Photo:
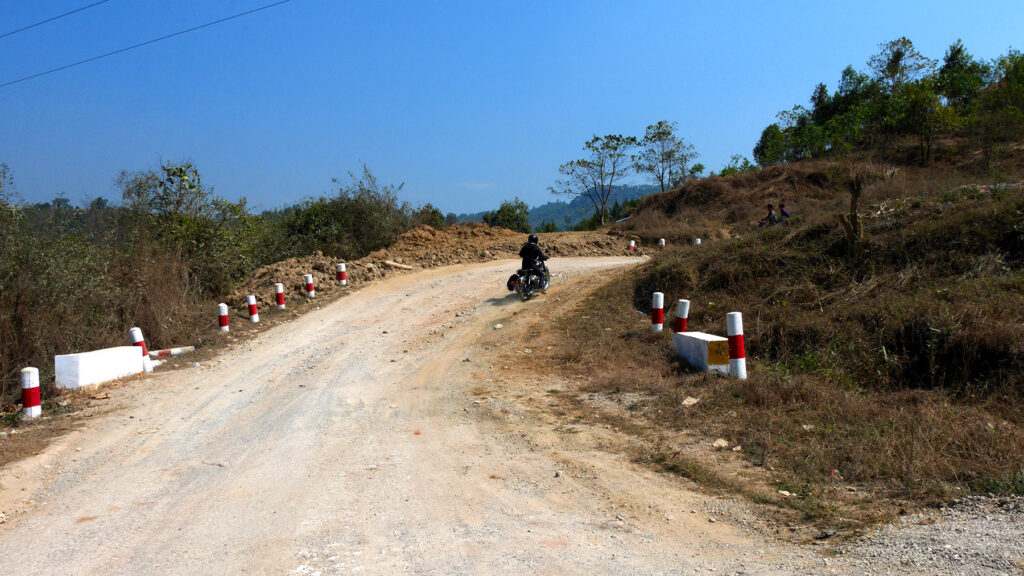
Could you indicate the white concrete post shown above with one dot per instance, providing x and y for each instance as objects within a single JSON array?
[
  {"x": 310, "y": 289},
  {"x": 279, "y": 295},
  {"x": 31, "y": 405},
  {"x": 632, "y": 246},
  {"x": 737, "y": 353},
  {"x": 682, "y": 315},
  {"x": 696, "y": 241},
  {"x": 342, "y": 274},
  {"x": 254, "y": 314},
  {"x": 657, "y": 312},
  {"x": 661, "y": 244},
  {"x": 222, "y": 317}
]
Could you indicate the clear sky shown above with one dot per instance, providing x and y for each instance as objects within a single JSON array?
[{"x": 468, "y": 103}]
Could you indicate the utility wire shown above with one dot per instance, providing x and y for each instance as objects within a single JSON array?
[
  {"x": 52, "y": 19},
  {"x": 141, "y": 44}
]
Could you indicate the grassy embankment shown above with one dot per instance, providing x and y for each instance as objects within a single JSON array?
[{"x": 900, "y": 366}]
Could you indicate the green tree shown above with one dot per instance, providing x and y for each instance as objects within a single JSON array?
[
  {"x": 608, "y": 158},
  {"x": 450, "y": 219},
  {"x": 771, "y": 148},
  {"x": 923, "y": 115},
  {"x": 514, "y": 215},
  {"x": 664, "y": 155},
  {"x": 961, "y": 78},
  {"x": 898, "y": 63},
  {"x": 738, "y": 164},
  {"x": 997, "y": 114}
]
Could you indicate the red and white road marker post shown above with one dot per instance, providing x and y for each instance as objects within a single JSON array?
[
  {"x": 661, "y": 244},
  {"x": 31, "y": 406},
  {"x": 310, "y": 289},
  {"x": 222, "y": 317},
  {"x": 171, "y": 352},
  {"x": 737, "y": 353},
  {"x": 138, "y": 340},
  {"x": 682, "y": 315},
  {"x": 279, "y": 295},
  {"x": 342, "y": 274},
  {"x": 254, "y": 314},
  {"x": 657, "y": 312},
  {"x": 632, "y": 246}
]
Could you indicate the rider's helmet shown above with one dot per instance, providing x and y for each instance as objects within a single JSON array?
[{"x": 532, "y": 239}]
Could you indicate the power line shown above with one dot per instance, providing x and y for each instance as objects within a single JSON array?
[
  {"x": 141, "y": 44},
  {"x": 54, "y": 18}
]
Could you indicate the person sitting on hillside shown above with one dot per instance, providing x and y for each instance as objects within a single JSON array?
[
  {"x": 782, "y": 211},
  {"x": 770, "y": 220},
  {"x": 533, "y": 258}
]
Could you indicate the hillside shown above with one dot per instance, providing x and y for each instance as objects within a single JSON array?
[{"x": 896, "y": 360}]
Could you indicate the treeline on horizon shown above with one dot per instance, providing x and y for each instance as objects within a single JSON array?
[
  {"x": 905, "y": 94},
  {"x": 76, "y": 278}
]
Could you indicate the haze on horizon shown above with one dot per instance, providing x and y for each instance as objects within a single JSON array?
[{"x": 466, "y": 103}]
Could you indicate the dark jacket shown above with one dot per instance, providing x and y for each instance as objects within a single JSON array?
[{"x": 532, "y": 255}]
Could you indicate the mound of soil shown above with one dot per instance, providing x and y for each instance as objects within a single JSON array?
[{"x": 422, "y": 247}]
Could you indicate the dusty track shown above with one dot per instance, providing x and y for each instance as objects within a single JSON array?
[{"x": 350, "y": 441}]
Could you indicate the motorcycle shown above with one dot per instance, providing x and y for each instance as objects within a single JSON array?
[{"x": 528, "y": 281}]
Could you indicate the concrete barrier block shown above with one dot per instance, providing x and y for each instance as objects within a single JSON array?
[
  {"x": 705, "y": 352},
  {"x": 77, "y": 370}
]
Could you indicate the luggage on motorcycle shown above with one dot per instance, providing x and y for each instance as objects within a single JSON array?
[{"x": 511, "y": 284}]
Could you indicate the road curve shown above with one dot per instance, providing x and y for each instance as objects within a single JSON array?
[{"x": 344, "y": 443}]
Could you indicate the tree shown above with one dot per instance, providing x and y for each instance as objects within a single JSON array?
[
  {"x": 737, "y": 165},
  {"x": 997, "y": 114},
  {"x": 608, "y": 159},
  {"x": 664, "y": 155},
  {"x": 961, "y": 78},
  {"x": 177, "y": 190},
  {"x": 514, "y": 215},
  {"x": 450, "y": 219},
  {"x": 899, "y": 63},
  {"x": 771, "y": 148},
  {"x": 922, "y": 114}
]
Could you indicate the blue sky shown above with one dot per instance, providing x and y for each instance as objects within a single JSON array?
[{"x": 467, "y": 103}]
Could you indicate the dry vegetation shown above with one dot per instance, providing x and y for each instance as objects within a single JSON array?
[{"x": 900, "y": 367}]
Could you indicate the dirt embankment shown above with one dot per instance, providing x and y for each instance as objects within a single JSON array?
[{"x": 422, "y": 247}]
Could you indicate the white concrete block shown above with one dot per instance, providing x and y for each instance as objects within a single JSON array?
[
  {"x": 705, "y": 352},
  {"x": 77, "y": 370}
]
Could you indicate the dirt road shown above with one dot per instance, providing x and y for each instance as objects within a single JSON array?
[{"x": 349, "y": 441}]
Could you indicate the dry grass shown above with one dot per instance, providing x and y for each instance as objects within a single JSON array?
[{"x": 901, "y": 369}]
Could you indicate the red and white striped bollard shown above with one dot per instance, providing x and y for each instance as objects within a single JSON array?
[
  {"x": 657, "y": 312},
  {"x": 737, "y": 353},
  {"x": 632, "y": 246},
  {"x": 171, "y": 352},
  {"x": 661, "y": 244},
  {"x": 279, "y": 295},
  {"x": 254, "y": 314},
  {"x": 682, "y": 315},
  {"x": 342, "y": 274},
  {"x": 31, "y": 405},
  {"x": 138, "y": 340},
  {"x": 222, "y": 317},
  {"x": 310, "y": 289}
]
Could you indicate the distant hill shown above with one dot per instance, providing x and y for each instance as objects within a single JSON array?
[{"x": 568, "y": 214}]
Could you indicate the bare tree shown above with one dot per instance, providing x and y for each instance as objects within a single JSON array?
[
  {"x": 664, "y": 155},
  {"x": 608, "y": 159}
]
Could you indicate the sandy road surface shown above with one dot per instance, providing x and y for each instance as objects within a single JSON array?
[{"x": 346, "y": 442}]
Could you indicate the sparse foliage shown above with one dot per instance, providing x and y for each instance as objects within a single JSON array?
[
  {"x": 608, "y": 159},
  {"x": 664, "y": 155}
]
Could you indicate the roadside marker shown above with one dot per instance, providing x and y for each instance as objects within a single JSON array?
[
  {"x": 171, "y": 351},
  {"x": 682, "y": 314},
  {"x": 737, "y": 354},
  {"x": 632, "y": 245},
  {"x": 657, "y": 312},
  {"x": 342, "y": 274},
  {"x": 661, "y": 244},
  {"x": 254, "y": 314},
  {"x": 138, "y": 340},
  {"x": 279, "y": 295},
  {"x": 222, "y": 317},
  {"x": 30, "y": 403},
  {"x": 310, "y": 289}
]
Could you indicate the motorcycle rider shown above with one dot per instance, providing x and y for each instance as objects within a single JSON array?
[{"x": 533, "y": 259}]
